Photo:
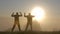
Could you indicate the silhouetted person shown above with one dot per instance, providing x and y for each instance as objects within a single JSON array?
[
  {"x": 29, "y": 20},
  {"x": 16, "y": 20}
]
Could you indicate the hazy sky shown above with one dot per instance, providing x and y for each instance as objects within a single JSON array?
[{"x": 51, "y": 7}]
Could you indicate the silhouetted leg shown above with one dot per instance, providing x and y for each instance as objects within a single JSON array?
[
  {"x": 13, "y": 27},
  {"x": 27, "y": 26},
  {"x": 19, "y": 27},
  {"x": 31, "y": 26}
]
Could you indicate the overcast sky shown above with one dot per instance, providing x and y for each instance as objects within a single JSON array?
[{"x": 51, "y": 8}]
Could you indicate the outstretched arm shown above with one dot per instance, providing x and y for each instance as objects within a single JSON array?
[
  {"x": 12, "y": 14},
  {"x": 25, "y": 15},
  {"x": 20, "y": 14}
]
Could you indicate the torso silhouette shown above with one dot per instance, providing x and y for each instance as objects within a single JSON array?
[
  {"x": 29, "y": 18},
  {"x": 16, "y": 17}
]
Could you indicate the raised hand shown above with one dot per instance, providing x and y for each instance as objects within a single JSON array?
[
  {"x": 25, "y": 15},
  {"x": 20, "y": 13},
  {"x": 13, "y": 13}
]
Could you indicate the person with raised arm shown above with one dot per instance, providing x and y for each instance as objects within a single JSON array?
[
  {"x": 16, "y": 20},
  {"x": 29, "y": 20}
]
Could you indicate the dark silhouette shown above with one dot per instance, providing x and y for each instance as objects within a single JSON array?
[
  {"x": 16, "y": 20},
  {"x": 29, "y": 20}
]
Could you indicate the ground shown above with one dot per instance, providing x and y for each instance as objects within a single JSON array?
[{"x": 30, "y": 32}]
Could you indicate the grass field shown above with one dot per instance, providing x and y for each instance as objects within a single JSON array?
[{"x": 30, "y": 32}]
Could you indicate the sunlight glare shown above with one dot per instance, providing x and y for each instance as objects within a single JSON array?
[{"x": 38, "y": 13}]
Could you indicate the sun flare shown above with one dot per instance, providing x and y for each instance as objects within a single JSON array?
[{"x": 38, "y": 13}]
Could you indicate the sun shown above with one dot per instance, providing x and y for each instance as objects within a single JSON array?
[{"x": 38, "y": 13}]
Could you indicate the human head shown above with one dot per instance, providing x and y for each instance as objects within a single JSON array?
[
  {"x": 16, "y": 13},
  {"x": 29, "y": 13}
]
